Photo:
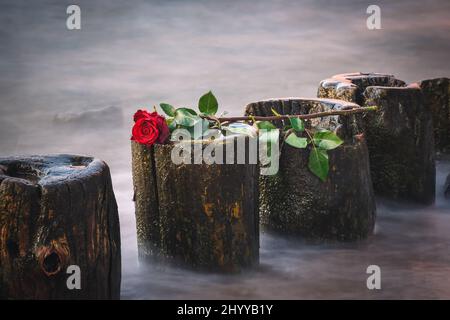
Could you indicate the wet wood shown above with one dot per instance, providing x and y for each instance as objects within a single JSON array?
[
  {"x": 437, "y": 99},
  {"x": 447, "y": 187},
  {"x": 399, "y": 136},
  {"x": 146, "y": 200},
  {"x": 196, "y": 215},
  {"x": 296, "y": 202},
  {"x": 351, "y": 86},
  {"x": 57, "y": 211}
]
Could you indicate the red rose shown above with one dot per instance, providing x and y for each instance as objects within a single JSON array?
[
  {"x": 149, "y": 128},
  {"x": 140, "y": 114},
  {"x": 163, "y": 128},
  {"x": 145, "y": 131}
]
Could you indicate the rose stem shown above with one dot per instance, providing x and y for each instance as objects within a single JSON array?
[{"x": 301, "y": 116}]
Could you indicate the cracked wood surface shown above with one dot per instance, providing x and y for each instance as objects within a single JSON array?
[
  {"x": 201, "y": 216},
  {"x": 57, "y": 211},
  {"x": 294, "y": 201}
]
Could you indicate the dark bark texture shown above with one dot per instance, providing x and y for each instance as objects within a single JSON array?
[
  {"x": 294, "y": 201},
  {"x": 201, "y": 216},
  {"x": 57, "y": 211},
  {"x": 447, "y": 187},
  {"x": 399, "y": 136},
  {"x": 437, "y": 98}
]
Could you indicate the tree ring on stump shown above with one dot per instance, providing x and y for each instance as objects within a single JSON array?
[
  {"x": 399, "y": 135},
  {"x": 58, "y": 210},
  {"x": 294, "y": 201}
]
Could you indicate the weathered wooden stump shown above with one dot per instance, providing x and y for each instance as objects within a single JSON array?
[
  {"x": 294, "y": 201},
  {"x": 58, "y": 211},
  {"x": 399, "y": 136},
  {"x": 447, "y": 187},
  {"x": 196, "y": 215},
  {"x": 351, "y": 86},
  {"x": 437, "y": 98}
]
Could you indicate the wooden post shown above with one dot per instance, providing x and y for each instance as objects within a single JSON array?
[
  {"x": 399, "y": 136},
  {"x": 294, "y": 201},
  {"x": 447, "y": 187},
  {"x": 58, "y": 211},
  {"x": 436, "y": 93},
  {"x": 196, "y": 215}
]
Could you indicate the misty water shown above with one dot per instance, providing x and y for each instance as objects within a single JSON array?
[{"x": 76, "y": 91}]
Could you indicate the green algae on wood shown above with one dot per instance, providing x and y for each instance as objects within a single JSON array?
[
  {"x": 399, "y": 136},
  {"x": 294, "y": 201},
  {"x": 201, "y": 216},
  {"x": 146, "y": 200}
]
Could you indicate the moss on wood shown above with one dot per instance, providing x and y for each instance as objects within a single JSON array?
[
  {"x": 203, "y": 216},
  {"x": 294, "y": 201},
  {"x": 399, "y": 136}
]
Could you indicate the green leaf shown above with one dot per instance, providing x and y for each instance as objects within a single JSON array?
[
  {"x": 198, "y": 134},
  {"x": 184, "y": 117},
  {"x": 318, "y": 163},
  {"x": 191, "y": 111},
  {"x": 296, "y": 142},
  {"x": 265, "y": 125},
  {"x": 208, "y": 104},
  {"x": 327, "y": 140},
  {"x": 171, "y": 124},
  {"x": 241, "y": 128},
  {"x": 168, "y": 109},
  {"x": 297, "y": 124}
]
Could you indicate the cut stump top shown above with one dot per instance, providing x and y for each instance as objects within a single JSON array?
[{"x": 49, "y": 169}]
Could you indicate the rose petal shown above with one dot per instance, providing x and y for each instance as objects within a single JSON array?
[{"x": 140, "y": 114}]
